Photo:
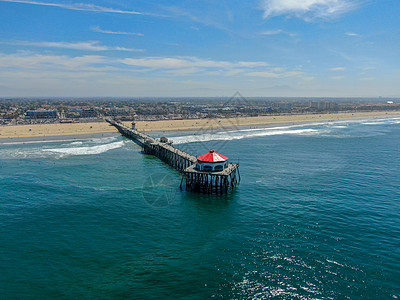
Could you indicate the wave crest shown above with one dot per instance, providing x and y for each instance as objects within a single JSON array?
[
  {"x": 90, "y": 150},
  {"x": 242, "y": 134}
]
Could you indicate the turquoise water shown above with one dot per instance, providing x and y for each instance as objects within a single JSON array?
[{"x": 316, "y": 216}]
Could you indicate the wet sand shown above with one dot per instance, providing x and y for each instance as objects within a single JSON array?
[{"x": 76, "y": 129}]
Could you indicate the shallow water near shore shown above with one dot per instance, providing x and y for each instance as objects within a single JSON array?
[{"x": 316, "y": 216}]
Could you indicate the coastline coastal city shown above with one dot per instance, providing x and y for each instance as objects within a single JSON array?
[{"x": 47, "y": 111}]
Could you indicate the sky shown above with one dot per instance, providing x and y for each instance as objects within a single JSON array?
[{"x": 210, "y": 48}]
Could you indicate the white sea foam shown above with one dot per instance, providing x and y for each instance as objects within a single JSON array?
[
  {"x": 103, "y": 140},
  {"x": 380, "y": 121},
  {"x": 373, "y": 123},
  {"x": 242, "y": 134},
  {"x": 61, "y": 149},
  {"x": 90, "y": 150},
  {"x": 76, "y": 143},
  {"x": 328, "y": 128},
  {"x": 53, "y": 140},
  {"x": 22, "y": 142}
]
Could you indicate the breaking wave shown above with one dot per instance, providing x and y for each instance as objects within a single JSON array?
[
  {"x": 86, "y": 150},
  {"x": 242, "y": 134},
  {"x": 382, "y": 121},
  {"x": 60, "y": 149},
  {"x": 339, "y": 129}
]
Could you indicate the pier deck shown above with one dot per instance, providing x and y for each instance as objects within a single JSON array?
[
  {"x": 203, "y": 182},
  {"x": 228, "y": 170}
]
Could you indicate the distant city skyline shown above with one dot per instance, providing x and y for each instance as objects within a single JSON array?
[{"x": 264, "y": 48}]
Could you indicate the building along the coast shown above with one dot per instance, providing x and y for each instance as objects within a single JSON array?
[
  {"x": 41, "y": 114},
  {"x": 84, "y": 112},
  {"x": 324, "y": 105}
]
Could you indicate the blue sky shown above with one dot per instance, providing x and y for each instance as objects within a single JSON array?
[{"x": 322, "y": 48}]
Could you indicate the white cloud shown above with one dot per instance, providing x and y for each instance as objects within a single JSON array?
[
  {"x": 188, "y": 62},
  {"x": 276, "y": 32},
  {"x": 175, "y": 11},
  {"x": 79, "y": 7},
  {"x": 192, "y": 66},
  {"x": 251, "y": 64},
  {"x": 234, "y": 72},
  {"x": 37, "y": 61},
  {"x": 182, "y": 66},
  {"x": 337, "y": 77},
  {"x": 272, "y": 74},
  {"x": 84, "y": 46},
  {"x": 352, "y": 34},
  {"x": 26, "y": 73},
  {"x": 263, "y": 74},
  {"x": 337, "y": 69},
  {"x": 98, "y": 29},
  {"x": 185, "y": 71},
  {"x": 272, "y": 32},
  {"x": 307, "y": 9}
]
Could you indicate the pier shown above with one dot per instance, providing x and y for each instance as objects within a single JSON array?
[{"x": 219, "y": 182}]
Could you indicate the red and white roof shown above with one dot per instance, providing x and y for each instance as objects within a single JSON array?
[{"x": 212, "y": 156}]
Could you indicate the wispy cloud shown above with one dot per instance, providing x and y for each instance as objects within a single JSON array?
[
  {"x": 80, "y": 7},
  {"x": 271, "y": 32},
  {"x": 337, "y": 69},
  {"x": 188, "y": 62},
  {"x": 36, "y": 74},
  {"x": 193, "y": 66},
  {"x": 307, "y": 9},
  {"x": 276, "y": 32},
  {"x": 185, "y": 71},
  {"x": 337, "y": 77},
  {"x": 352, "y": 34},
  {"x": 174, "y": 11},
  {"x": 24, "y": 61},
  {"x": 369, "y": 68},
  {"x": 98, "y": 29},
  {"x": 272, "y": 74},
  {"x": 84, "y": 46}
]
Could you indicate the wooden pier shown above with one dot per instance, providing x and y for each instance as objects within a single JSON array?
[{"x": 197, "y": 181}]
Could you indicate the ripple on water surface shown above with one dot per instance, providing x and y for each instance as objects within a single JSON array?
[{"x": 316, "y": 216}]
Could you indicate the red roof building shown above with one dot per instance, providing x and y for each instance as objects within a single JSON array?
[
  {"x": 211, "y": 162},
  {"x": 212, "y": 156}
]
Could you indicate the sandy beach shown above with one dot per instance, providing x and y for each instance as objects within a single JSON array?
[{"x": 67, "y": 129}]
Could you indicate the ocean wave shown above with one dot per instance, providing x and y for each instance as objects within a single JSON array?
[
  {"x": 89, "y": 150},
  {"x": 242, "y": 134},
  {"x": 59, "y": 149},
  {"x": 23, "y": 142},
  {"x": 103, "y": 140},
  {"x": 339, "y": 129},
  {"x": 373, "y": 123},
  {"x": 380, "y": 121}
]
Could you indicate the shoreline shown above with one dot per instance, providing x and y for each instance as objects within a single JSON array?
[{"x": 38, "y": 132}]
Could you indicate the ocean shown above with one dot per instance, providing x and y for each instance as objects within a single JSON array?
[{"x": 315, "y": 216}]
